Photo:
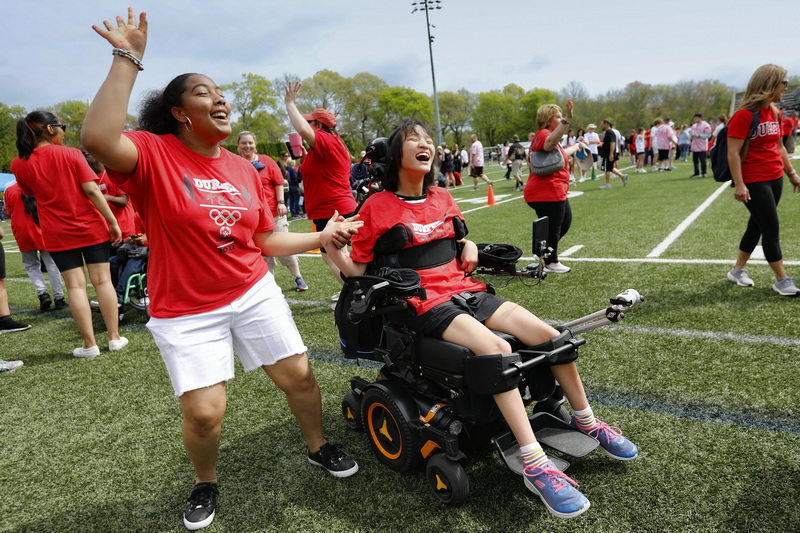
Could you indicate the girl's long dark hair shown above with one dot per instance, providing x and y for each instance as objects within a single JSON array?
[
  {"x": 31, "y": 207},
  {"x": 30, "y": 129},
  {"x": 394, "y": 156},
  {"x": 155, "y": 112}
]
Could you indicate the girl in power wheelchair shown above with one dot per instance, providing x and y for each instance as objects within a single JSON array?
[{"x": 459, "y": 309}]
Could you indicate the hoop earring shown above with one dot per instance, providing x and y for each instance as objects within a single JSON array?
[{"x": 188, "y": 125}]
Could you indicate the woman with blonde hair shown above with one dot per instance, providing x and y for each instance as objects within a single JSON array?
[
  {"x": 547, "y": 195},
  {"x": 758, "y": 174}
]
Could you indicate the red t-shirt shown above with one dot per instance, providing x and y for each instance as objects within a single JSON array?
[
  {"x": 271, "y": 177},
  {"x": 124, "y": 214},
  {"x": 200, "y": 215},
  {"x": 788, "y": 125},
  {"x": 54, "y": 175},
  {"x": 763, "y": 161},
  {"x": 552, "y": 188},
  {"x": 27, "y": 234},
  {"x": 426, "y": 221},
  {"x": 326, "y": 177}
]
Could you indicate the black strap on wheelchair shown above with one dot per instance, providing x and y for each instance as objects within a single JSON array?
[
  {"x": 464, "y": 301},
  {"x": 428, "y": 255}
]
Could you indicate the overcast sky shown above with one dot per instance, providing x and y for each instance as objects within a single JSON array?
[{"x": 49, "y": 53}]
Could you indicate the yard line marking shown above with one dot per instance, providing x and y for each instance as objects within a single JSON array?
[
  {"x": 570, "y": 251},
  {"x": 672, "y": 237},
  {"x": 663, "y": 261}
]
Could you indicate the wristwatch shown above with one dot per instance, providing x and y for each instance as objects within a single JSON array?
[
  {"x": 281, "y": 202},
  {"x": 564, "y": 121}
]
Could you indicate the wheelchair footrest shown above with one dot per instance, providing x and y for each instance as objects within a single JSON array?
[
  {"x": 554, "y": 433},
  {"x": 508, "y": 448}
]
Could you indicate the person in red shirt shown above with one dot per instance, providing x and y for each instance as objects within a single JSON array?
[
  {"x": 758, "y": 181},
  {"x": 325, "y": 169},
  {"x": 75, "y": 219},
  {"x": 25, "y": 226},
  {"x": 547, "y": 195},
  {"x": 429, "y": 214},
  {"x": 272, "y": 180},
  {"x": 208, "y": 225}
]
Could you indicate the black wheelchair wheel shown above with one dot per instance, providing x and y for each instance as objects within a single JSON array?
[
  {"x": 394, "y": 442},
  {"x": 351, "y": 411},
  {"x": 447, "y": 480},
  {"x": 561, "y": 412}
]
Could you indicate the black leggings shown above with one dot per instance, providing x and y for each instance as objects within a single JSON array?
[
  {"x": 763, "y": 223},
  {"x": 560, "y": 215}
]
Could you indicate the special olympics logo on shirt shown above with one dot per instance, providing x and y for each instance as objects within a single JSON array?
[
  {"x": 225, "y": 231},
  {"x": 224, "y": 217}
]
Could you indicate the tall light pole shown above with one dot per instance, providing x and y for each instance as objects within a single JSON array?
[{"x": 428, "y": 5}]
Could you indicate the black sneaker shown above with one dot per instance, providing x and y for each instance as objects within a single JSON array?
[
  {"x": 202, "y": 505},
  {"x": 9, "y": 325},
  {"x": 334, "y": 460},
  {"x": 60, "y": 304},
  {"x": 44, "y": 302}
]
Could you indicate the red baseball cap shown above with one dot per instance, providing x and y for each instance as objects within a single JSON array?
[{"x": 322, "y": 115}]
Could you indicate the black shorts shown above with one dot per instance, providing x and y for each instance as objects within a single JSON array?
[
  {"x": 477, "y": 172},
  {"x": 69, "y": 259},
  {"x": 320, "y": 223},
  {"x": 663, "y": 155},
  {"x": 2, "y": 262},
  {"x": 608, "y": 165},
  {"x": 480, "y": 305}
]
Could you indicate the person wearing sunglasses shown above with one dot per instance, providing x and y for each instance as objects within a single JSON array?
[
  {"x": 77, "y": 225},
  {"x": 757, "y": 174}
]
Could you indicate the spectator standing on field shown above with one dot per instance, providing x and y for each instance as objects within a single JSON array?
[
  {"x": 608, "y": 152},
  {"x": 7, "y": 324},
  {"x": 592, "y": 139},
  {"x": 640, "y": 151},
  {"x": 476, "y": 162},
  {"x": 700, "y": 132},
  {"x": 666, "y": 138},
  {"x": 517, "y": 155},
  {"x": 758, "y": 182}
]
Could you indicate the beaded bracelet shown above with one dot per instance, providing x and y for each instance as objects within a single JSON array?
[{"x": 128, "y": 55}]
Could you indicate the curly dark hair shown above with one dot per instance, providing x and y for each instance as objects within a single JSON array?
[
  {"x": 155, "y": 111},
  {"x": 394, "y": 155}
]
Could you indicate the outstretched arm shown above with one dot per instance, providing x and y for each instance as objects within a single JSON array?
[
  {"x": 300, "y": 124},
  {"x": 101, "y": 134}
]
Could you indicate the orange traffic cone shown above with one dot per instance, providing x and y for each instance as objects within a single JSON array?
[
  {"x": 315, "y": 250},
  {"x": 490, "y": 199}
]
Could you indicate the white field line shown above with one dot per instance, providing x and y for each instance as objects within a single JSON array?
[
  {"x": 571, "y": 250},
  {"x": 672, "y": 237}
]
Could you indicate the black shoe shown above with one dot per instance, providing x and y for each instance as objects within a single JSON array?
[
  {"x": 44, "y": 301},
  {"x": 202, "y": 505},
  {"x": 9, "y": 325},
  {"x": 60, "y": 304},
  {"x": 334, "y": 460}
]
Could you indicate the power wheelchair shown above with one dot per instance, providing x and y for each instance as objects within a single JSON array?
[{"x": 432, "y": 399}]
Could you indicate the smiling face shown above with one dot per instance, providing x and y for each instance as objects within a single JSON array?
[
  {"x": 204, "y": 110},
  {"x": 247, "y": 146},
  {"x": 418, "y": 150}
]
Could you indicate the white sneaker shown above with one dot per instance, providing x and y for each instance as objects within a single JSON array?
[
  {"x": 113, "y": 346},
  {"x": 786, "y": 287},
  {"x": 606, "y": 186},
  {"x": 94, "y": 351},
  {"x": 739, "y": 276},
  {"x": 557, "y": 268}
]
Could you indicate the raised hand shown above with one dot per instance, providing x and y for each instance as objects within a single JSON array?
[
  {"x": 128, "y": 36},
  {"x": 292, "y": 89}
]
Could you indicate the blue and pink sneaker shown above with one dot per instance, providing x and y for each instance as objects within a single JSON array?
[
  {"x": 555, "y": 490},
  {"x": 611, "y": 440}
]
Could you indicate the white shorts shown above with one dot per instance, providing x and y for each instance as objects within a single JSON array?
[{"x": 198, "y": 349}]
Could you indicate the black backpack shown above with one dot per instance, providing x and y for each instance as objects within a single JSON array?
[{"x": 719, "y": 152}]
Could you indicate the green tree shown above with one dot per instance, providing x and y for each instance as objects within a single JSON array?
[
  {"x": 525, "y": 119},
  {"x": 361, "y": 99},
  {"x": 254, "y": 93},
  {"x": 397, "y": 103},
  {"x": 9, "y": 115},
  {"x": 325, "y": 89},
  {"x": 493, "y": 113},
  {"x": 455, "y": 110}
]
